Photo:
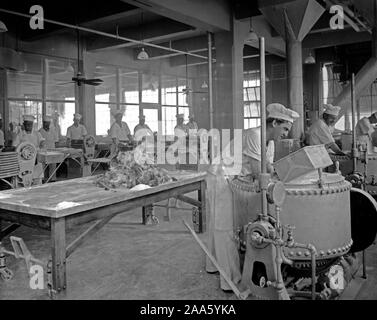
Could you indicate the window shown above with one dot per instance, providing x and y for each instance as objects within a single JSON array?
[
  {"x": 26, "y": 94},
  {"x": 251, "y": 98},
  {"x": 106, "y": 97},
  {"x": 60, "y": 91},
  {"x": 174, "y": 101},
  {"x": 150, "y": 88}
]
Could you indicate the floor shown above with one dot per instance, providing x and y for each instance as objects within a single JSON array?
[{"x": 124, "y": 260}]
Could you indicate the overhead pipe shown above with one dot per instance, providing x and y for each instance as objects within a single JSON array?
[{"x": 105, "y": 34}]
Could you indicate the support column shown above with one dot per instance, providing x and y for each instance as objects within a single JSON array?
[
  {"x": 228, "y": 78},
  {"x": 295, "y": 84}
]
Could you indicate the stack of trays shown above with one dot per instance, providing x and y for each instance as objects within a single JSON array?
[{"x": 9, "y": 166}]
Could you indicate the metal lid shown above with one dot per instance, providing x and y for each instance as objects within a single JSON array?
[{"x": 311, "y": 181}]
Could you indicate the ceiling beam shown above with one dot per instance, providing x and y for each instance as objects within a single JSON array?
[
  {"x": 335, "y": 38},
  {"x": 155, "y": 31},
  {"x": 113, "y": 17},
  {"x": 206, "y": 15}
]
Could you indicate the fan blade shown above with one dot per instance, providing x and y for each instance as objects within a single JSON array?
[
  {"x": 94, "y": 80},
  {"x": 64, "y": 83}
]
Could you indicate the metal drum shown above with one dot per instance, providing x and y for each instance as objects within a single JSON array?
[
  {"x": 320, "y": 212},
  {"x": 246, "y": 202}
]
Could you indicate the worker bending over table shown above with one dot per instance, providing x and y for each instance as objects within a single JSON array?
[
  {"x": 223, "y": 219},
  {"x": 321, "y": 131}
]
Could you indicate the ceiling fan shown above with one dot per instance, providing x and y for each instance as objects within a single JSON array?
[
  {"x": 80, "y": 77},
  {"x": 188, "y": 89}
]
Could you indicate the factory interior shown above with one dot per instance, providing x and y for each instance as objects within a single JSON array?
[{"x": 188, "y": 150}]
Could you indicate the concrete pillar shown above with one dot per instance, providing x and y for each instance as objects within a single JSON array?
[
  {"x": 88, "y": 99},
  {"x": 295, "y": 84},
  {"x": 228, "y": 78}
]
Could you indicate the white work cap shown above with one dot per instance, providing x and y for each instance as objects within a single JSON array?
[
  {"x": 180, "y": 115},
  {"x": 28, "y": 117},
  {"x": 278, "y": 111},
  {"x": 330, "y": 109},
  {"x": 77, "y": 116},
  {"x": 47, "y": 118}
]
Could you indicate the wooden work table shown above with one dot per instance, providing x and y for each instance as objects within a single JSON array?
[{"x": 62, "y": 205}]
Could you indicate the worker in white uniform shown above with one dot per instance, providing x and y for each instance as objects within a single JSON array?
[
  {"x": 180, "y": 129},
  {"x": 142, "y": 126},
  {"x": 55, "y": 127},
  {"x": 77, "y": 131},
  {"x": 27, "y": 134},
  {"x": 47, "y": 133},
  {"x": 221, "y": 227},
  {"x": 364, "y": 130},
  {"x": 2, "y": 142},
  {"x": 320, "y": 131},
  {"x": 119, "y": 131}
]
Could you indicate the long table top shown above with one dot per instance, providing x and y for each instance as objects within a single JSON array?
[{"x": 72, "y": 196}]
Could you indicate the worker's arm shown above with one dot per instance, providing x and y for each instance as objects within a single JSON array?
[
  {"x": 334, "y": 147},
  {"x": 256, "y": 168}
]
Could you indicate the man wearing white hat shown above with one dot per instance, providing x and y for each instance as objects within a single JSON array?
[
  {"x": 28, "y": 134},
  {"x": 47, "y": 133},
  {"x": 320, "y": 131},
  {"x": 180, "y": 129},
  {"x": 142, "y": 126},
  {"x": 2, "y": 143},
  {"x": 364, "y": 130},
  {"x": 119, "y": 131},
  {"x": 77, "y": 131},
  {"x": 223, "y": 218}
]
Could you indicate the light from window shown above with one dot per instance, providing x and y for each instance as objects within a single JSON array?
[
  {"x": 169, "y": 120},
  {"x": 103, "y": 121},
  {"x": 251, "y": 97},
  {"x": 131, "y": 116},
  {"x": 66, "y": 119}
]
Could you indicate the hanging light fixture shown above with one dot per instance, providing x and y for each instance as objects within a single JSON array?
[
  {"x": 143, "y": 55},
  {"x": 252, "y": 36},
  {"x": 3, "y": 27},
  {"x": 309, "y": 59},
  {"x": 204, "y": 85}
]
